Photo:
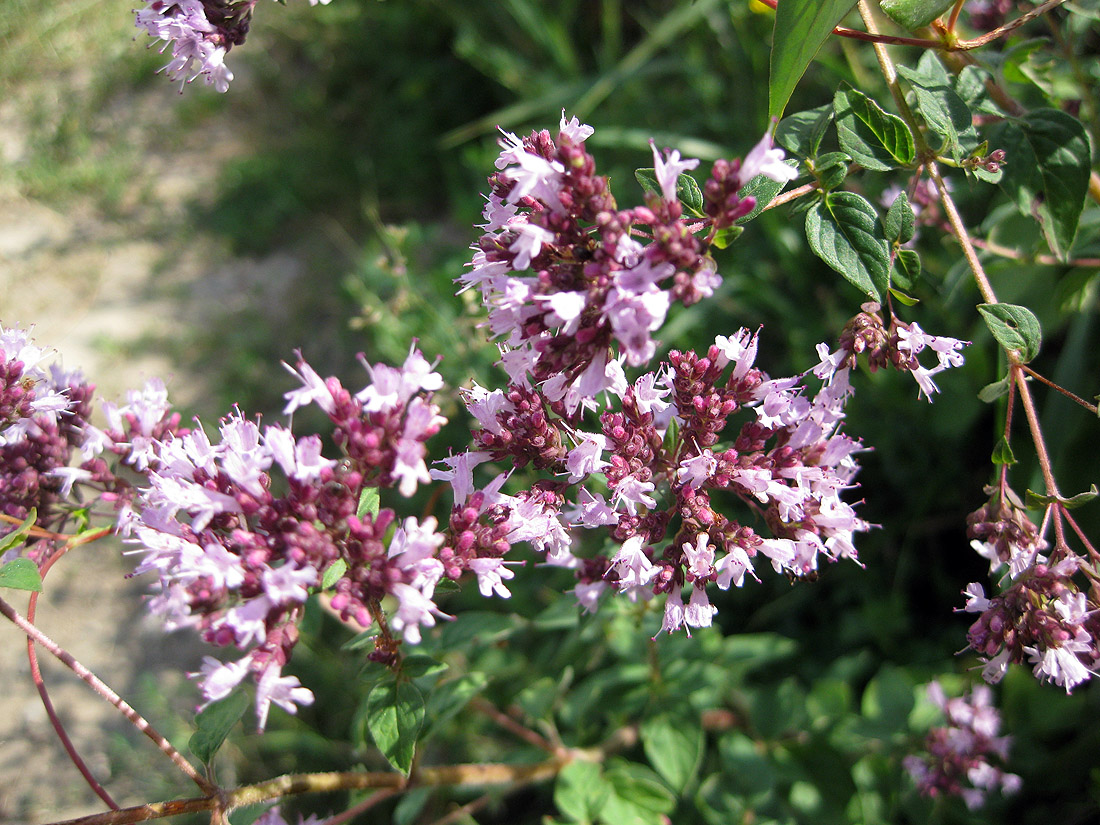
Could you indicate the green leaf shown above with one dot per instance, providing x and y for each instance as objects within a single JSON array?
[
  {"x": 888, "y": 699},
  {"x": 637, "y": 795},
  {"x": 899, "y": 221},
  {"x": 903, "y": 297},
  {"x": 1046, "y": 171},
  {"x": 1035, "y": 501},
  {"x": 907, "y": 268},
  {"x": 484, "y": 625},
  {"x": 801, "y": 26},
  {"x": 407, "y": 811},
  {"x": 368, "y": 503},
  {"x": 944, "y": 111},
  {"x": 831, "y": 169},
  {"x": 843, "y": 231},
  {"x": 21, "y": 574},
  {"x": 914, "y": 14},
  {"x": 674, "y": 746},
  {"x": 724, "y": 237},
  {"x": 802, "y": 132},
  {"x": 1016, "y": 328},
  {"x": 19, "y": 534},
  {"x": 333, "y": 573},
  {"x": 214, "y": 723},
  {"x": 451, "y": 697},
  {"x": 1002, "y": 453},
  {"x": 580, "y": 791},
  {"x": 395, "y": 712},
  {"x": 764, "y": 190},
  {"x": 362, "y": 639},
  {"x": 418, "y": 665},
  {"x": 991, "y": 392},
  {"x": 875, "y": 139}
]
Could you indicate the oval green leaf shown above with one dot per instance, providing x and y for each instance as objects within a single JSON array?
[
  {"x": 1016, "y": 328},
  {"x": 1046, "y": 171},
  {"x": 875, "y": 139},
  {"x": 394, "y": 714},
  {"x": 914, "y": 14},
  {"x": 842, "y": 230},
  {"x": 21, "y": 574},
  {"x": 214, "y": 723}
]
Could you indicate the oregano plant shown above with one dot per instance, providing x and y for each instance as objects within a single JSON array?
[{"x": 531, "y": 623}]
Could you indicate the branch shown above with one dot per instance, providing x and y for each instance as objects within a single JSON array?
[
  {"x": 948, "y": 45},
  {"x": 292, "y": 784},
  {"x": 44, "y": 694},
  {"x": 103, "y": 690}
]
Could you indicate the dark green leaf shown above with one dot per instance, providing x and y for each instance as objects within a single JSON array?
[
  {"x": 214, "y": 723},
  {"x": 875, "y": 139},
  {"x": 831, "y": 169},
  {"x": 801, "y": 26},
  {"x": 395, "y": 712},
  {"x": 991, "y": 392},
  {"x": 674, "y": 746},
  {"x": 764, "y": 190},
  {"x": 1046, "y": 171},
  {"x": 907, "y": 268},
  {"x": 899, "y": 221},
  {"x": 333, "y": 573},
  {"x": 21, "y": 574},
  {"x": 1002, "y": 453},
  {"x": 802, "y": 132},
  {"x": 944, "y": 111},
  {"x": 368, "y": 503},
  {"x": 483, "y": 625},
  {"x": 888, "y": 699},
  {"x": 1016, "y": 328},
  {"x": 843, "y": 231},
  {"x": 361, "y": 640},
  {"x": 451, "y": 697},
  {"x": 407, "y": 811},
  {"x": 580, "y": 791},
  {"x": 19, "y": 534},
  {"x": 1035, "y": 501},
  {"x": 914, "y": 14},
  {"x": 418, "y": 665},
  {"x": 690, "y": 195}
]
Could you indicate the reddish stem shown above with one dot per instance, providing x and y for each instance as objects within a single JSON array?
[
  {"x": 44, "y": 695},
  {"x": 98, "y": 685}
]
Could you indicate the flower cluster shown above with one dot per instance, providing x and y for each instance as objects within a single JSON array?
[
  {"x": 201, "y": 33},
  {"x": 42, "y": 412},
  {"x": 563, "y": 274},
  {"x": 956, "y": 756},
  {"x": 898, "y": 345},
  {"x": 575, "y": 295},
  {"x": 1042, "y": 618},
  {"x": 241, "y": 530}
]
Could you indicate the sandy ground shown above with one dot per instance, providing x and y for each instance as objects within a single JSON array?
[{"x": 95, "y": 285}]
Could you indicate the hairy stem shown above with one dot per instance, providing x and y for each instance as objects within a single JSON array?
[
  {"x": 97, "y": 684},
  {"x": 44, "y": 694}
]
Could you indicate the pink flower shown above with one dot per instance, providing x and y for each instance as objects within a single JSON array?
[
  {"x": 669, "y": 169},
  {"x": 764, "y": 159}
]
